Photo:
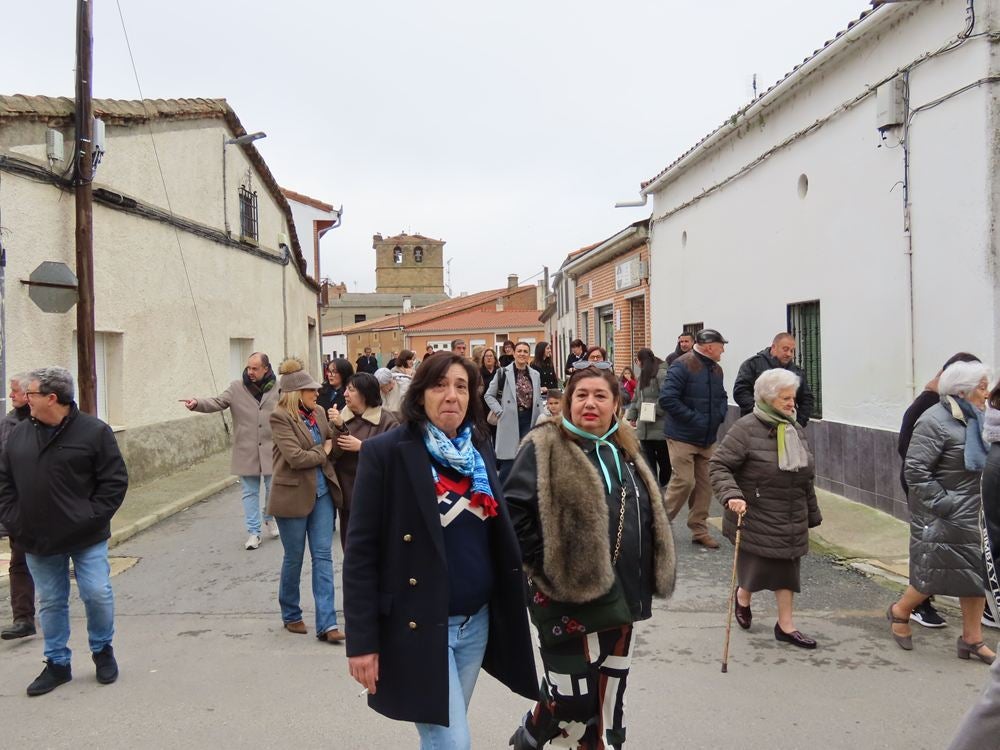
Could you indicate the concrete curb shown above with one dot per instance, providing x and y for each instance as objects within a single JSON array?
[{"x": 118, "y": 536}]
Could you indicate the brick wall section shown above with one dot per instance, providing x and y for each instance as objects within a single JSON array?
[{"x": 631, "y": 335}]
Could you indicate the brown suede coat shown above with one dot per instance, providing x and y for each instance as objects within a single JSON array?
[{"x": 296, "y": 456}]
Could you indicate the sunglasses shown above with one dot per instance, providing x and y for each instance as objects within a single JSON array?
[{"x": 586, "y": 365}]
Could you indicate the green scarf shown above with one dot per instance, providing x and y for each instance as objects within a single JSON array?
[
  {"x": 603, "y": 440},
  {"x": 792, "y": 455}
]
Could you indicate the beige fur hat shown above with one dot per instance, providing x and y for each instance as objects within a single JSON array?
[{"x": 294, "y": 377}]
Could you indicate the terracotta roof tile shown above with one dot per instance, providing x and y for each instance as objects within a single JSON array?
[
  {"x": 479, "y": 320},
  {"x": 432, "y": 312},
  {"x": 305, "y": 199}
]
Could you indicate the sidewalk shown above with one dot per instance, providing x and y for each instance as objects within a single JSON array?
[
  {"x": 150, "y": 503},
  {"x": 865, "y": 539}
]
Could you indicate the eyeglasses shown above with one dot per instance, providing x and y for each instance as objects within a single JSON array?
[
  {"x": 584, "y": 364},
  {"x": 35, "y": 393}
]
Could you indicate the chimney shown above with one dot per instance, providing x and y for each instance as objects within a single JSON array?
[
  {"x": 512, "y": 281},
  {"x": 540, "y": 293}
]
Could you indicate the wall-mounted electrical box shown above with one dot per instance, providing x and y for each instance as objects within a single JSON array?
[
  {"x": 890, "y": 104},
  {"x": 54, "y": 149}
]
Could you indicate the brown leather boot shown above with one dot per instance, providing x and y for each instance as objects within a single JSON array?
[
  {"x": 332, "y": 636},
  {"x": 705, "y": 540},
  {"x": 297, "y": 627}
]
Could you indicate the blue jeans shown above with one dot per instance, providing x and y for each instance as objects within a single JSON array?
[
  {"x": 93, "y": 578},
  {"x": 251, "y": 501},
  {"x": 467, "y": 638},
  {"x": 318, "y": 527}
]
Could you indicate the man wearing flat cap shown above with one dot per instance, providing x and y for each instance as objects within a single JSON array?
[{"x": 695, "y": 403}]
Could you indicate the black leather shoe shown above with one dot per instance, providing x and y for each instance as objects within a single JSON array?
[
  {"x": 51, "y": 677},
  {"x": 744, "y": 617},
  {"x": 795, "y": 638},
  {"x": 107, "y": 667},
  {"x": 20, "y": 629}
]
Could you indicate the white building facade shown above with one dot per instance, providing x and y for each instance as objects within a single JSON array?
[
  {"x": 856, "y": 204},
  {"x": 193, "y": 271}
]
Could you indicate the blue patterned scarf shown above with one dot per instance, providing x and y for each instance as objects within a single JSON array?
[
  {"x": 975, "y": 448},
  {"x": 461, "y": 455}
]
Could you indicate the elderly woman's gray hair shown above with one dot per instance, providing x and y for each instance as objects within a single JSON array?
[
  {"x": 772, "y": 382},
  {"x": 962, "y": 378},
  {"x": 57, "y": 380}
]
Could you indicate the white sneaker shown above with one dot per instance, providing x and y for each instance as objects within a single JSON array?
[
  {"x": 272, "y": 528},
  {"x": 253, "y": 541}
]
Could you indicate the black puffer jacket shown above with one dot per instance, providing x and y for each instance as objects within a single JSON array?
[
  {"x": 58, "y": 493},
  {"x": 567, "y": 538},
  {"x": 756, "y": 366},
  {"x": 781, "y": 505}
]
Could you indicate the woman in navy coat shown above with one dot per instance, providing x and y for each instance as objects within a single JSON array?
[{"x": 433, "y": 587}]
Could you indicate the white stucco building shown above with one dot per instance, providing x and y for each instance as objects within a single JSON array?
[
  {"x": 313, "y": 218},
  {"x": 856, "y": 203},
  {"x": 194, "y": 270}
]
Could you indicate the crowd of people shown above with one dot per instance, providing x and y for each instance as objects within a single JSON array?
[{"x": 467, "y": 487}]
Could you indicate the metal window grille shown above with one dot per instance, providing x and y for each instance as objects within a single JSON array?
[
  {"x": 804, "y": 325},
  {"x": 248, "y": 213},
  {"x": 692, "y": 328}
]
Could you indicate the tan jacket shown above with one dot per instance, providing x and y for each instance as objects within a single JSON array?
[
  {"x": 296, "y": 456},
  {"x": 252, "y": 446}
]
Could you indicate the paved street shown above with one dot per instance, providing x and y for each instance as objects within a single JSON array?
[{"x": 205, "y": 663}]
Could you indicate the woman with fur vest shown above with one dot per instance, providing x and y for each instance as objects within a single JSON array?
[
  {"x": 763, "y": 469},
  {"x": 596, "y": 547}
]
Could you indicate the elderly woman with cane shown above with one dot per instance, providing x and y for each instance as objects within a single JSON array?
[
  {"x": 763, "y": 469},
  {"x": 433, "y": 588},
  {"x": 943, "y": 470},
  {"x": 596, "y": 546}
]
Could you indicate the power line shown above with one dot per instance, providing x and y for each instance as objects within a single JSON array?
[{"x": 170, "y": 209}]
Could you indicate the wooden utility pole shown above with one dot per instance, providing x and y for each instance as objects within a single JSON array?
[{"x": 83, "y": 175}]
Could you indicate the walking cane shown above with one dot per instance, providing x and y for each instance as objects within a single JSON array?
[{"x": 732, "y": 595}]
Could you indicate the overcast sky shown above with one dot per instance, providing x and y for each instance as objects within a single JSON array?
[{"x": 509, "y": 131}]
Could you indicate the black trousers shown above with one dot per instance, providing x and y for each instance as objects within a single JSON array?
[{"x": 658, "y": 458}]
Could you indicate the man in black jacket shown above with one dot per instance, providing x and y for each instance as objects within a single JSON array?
[
  {"x": 781, "y": 354},
  {"x": 367, "y": 362},
  {"x": 62, "y": 478},
  {"x": 685, "y": 343},
  {"x": 22, "y": 588}
]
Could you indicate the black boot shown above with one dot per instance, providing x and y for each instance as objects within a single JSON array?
[
  {"x": 521, "y": 740},
  {"x": 107, "y": 667},
  {"x": 51, "y": 677},
  {"x": 20, "y": 629}
]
